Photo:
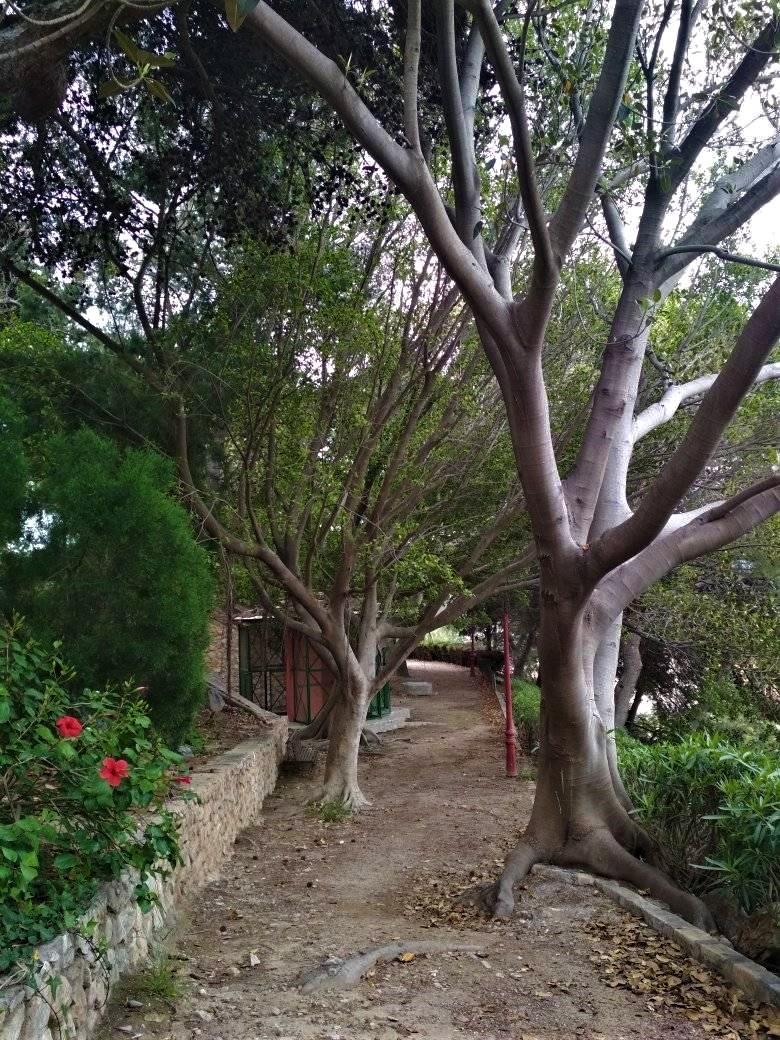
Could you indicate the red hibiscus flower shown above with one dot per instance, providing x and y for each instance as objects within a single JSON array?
[
  {"x": 183, "y": 779},
  {"x": 68, "y": 727},
  {"x": 114, "y": 771}
]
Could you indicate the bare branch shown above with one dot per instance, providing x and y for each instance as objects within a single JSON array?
[
  {"x": 662, "y": 411},
  {"x": 545, "y": 269},
  {"x": 712, "y": 530},
  {"x": 722, "y": 254},
  {"x": 722, "y": 104},
  {"x": 411, "y": 68},
  {"x": 715, "y": 412}
]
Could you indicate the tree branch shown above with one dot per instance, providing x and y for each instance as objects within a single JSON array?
[
  {"x": 720, "y": 107},
  {"x": 712, "y": 530},
  {"x": 715, "y": 412},
  {"x": 411, "y": 69},
  {"x": 602, "y": 111},
  {"x": 662, "y": 411}
]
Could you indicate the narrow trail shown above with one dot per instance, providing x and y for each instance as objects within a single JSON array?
[{"x": 298, "y": 890}]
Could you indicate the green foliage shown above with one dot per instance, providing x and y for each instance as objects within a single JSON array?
[
  {"x": 526, "y": 704},
  {"x": 446, "y": 636},
  {"x": 13, "y": 471},
  {"x": 157, "y": 983},
  {"x": 714, "y": 806},
  {"x": 331, "y": 812},
  {"x": 113, "y": 571},
  {"x": 63, "y": 827}
]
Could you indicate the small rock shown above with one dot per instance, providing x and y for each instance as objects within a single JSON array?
[{"x": 135, "y": 1003}]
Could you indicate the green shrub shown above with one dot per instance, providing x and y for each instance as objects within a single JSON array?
[
  {"x": 714, "y": 807},
  {"x": 526, "y": 701},
  {"x": 117, "y": 576},
  {"x": 79, "y": 773}
]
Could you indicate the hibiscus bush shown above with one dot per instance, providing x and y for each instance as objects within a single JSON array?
[{"x": 82, "y": 782}]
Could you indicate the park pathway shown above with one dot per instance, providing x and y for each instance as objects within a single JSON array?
[{"x": 298, "y": 890}]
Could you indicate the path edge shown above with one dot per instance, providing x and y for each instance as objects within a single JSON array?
[{"x": 746, "y": 975}]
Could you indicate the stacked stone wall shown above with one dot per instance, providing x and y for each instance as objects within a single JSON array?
[{"x": 75, "y": 971}]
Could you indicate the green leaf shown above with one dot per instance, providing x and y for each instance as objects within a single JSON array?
[
  {"x": 65, "y": 861},
  {"x": 237, "y": 10},
  {"x": 111, "y": 87},
  {"x": 142, "y": 57},
  {"x": 158, "y": 90}
]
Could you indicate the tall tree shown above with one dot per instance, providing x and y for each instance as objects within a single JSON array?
[
  {"x": 595, "y": 553},
  {"x": 640, "y": 116}
]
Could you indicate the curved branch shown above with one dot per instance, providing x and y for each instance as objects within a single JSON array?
[
  {"x": 662, "y": 411},
  {"x": 403, "y": 165},
  {"x": 722, "y": 254},
  {"x": 712, "y": 417},
  {"x": 712, "y": 530}
]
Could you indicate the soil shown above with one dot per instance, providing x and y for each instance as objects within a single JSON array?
[{"x": 299, "y": 890}]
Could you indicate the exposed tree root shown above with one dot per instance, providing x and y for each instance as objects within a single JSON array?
[
  {"x": 336, "y": 973},
  {"x": 370, "y": 741},
  {"x": 501, "y": 900},
  {"x": 600, "y": 851},
  {"x": 347, "y": 794}
]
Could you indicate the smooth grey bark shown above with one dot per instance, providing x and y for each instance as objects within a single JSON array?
[{"x": 626, "y": 689}]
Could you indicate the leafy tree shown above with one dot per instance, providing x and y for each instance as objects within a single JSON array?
[
  {"x": 637, "y": 118},
  {"x": 596, "y": 554},
  {"x": 110, "y": 567}
]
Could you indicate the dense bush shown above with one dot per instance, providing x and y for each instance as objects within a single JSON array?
[
  {"x": 526, "y": 700},
  {"x": 714, "y": 807},
  {"x": 80, "y": 774},
  {"x": 113, "y": 570}
]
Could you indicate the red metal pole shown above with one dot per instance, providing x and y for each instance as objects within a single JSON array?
[
  {"x": 473, "y": 656},
  {"x": 511, "y": 732}
]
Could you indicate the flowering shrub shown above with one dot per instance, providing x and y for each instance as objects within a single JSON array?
[{"x": 82, "y": 781}]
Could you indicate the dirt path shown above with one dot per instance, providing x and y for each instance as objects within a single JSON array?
[{"x": 299, "y": 890}]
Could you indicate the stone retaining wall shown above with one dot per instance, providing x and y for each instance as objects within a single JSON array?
[{"x": 74, "y": 981}]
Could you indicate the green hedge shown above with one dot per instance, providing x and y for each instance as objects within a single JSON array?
[
  {"x": 526, "y": 699},
  {"x": 714, "y": 806}
]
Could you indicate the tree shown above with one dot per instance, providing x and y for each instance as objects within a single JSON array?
[
  {"x": 353, "y": 444},
  {"x": 595, "y": 553},
  {"x": 110, "y": 567},
  {"x": 639, "y": 125}
]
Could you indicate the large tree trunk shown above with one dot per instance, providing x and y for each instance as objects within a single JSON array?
[
  {"x": 626, "y": 687},
  {"x": 578, "y": 817},
  {"x": 341, "y": 765}
]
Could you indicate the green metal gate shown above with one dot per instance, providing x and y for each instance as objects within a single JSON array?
[{"x": 261, "y": 674}]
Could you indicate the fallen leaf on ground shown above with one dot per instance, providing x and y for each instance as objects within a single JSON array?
[{"x": 630, "y": 955}]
